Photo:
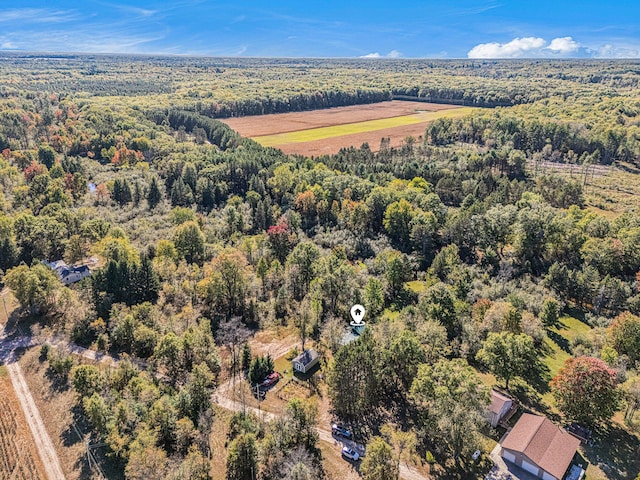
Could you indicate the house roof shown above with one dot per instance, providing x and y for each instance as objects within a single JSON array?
[
  {"x": 69, "y": 270},
  {"x": 498, "y": 401},
  {"x": 549, "y": 447},
  {"x": 306, "y": 357}
]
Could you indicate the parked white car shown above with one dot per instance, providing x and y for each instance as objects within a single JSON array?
[{"x": 350, "y": 454}]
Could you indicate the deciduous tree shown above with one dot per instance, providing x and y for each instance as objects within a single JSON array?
[{"x": 585, "y": 390}]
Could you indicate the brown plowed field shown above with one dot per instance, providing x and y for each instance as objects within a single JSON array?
[
  {"x": 258, "y": 125},
  {"x": 262, "y": 125}
]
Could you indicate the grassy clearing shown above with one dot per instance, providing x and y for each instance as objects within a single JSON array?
[
  {"x": 559, "y": 342},
  {"x": 608, "y": 191},
  {"x": 8, "y": 304},
  {"x": 358, "y": 127}
]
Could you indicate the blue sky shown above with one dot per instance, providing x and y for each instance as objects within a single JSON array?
[{"x": 328, "y": 28}]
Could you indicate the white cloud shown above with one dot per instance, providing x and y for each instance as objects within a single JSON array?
[
  {"x": 619, "y": 51},
  {"x": 516, "y": 48},
  {"x": 563, "y": 45},
  {"x": 37, "y": 15},
  {"x": 391, "y": 54},
  {"x": 560, "y": 47}
]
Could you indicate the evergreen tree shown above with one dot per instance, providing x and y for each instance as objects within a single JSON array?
[
  {"x": 181, "y": 194},
  {"x": 154, "y": 196}
]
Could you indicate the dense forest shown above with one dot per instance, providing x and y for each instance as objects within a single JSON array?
[{"x": 466, "y": 259}]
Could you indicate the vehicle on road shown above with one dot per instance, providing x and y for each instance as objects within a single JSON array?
[
  {"x": 350, "y": 454},
  {"x": 341, "y": 431}
]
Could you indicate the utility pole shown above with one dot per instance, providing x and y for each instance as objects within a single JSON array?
[
  {"x": 6, "y": 312},
  {"x": 259, "y": 397}
]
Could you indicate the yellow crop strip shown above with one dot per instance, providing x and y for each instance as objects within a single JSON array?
[{"x": 321, "y": 133}]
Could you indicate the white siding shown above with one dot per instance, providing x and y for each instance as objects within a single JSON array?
[
  {"x": 530, "y": 467},
  {"x": 508, "y": 456}
]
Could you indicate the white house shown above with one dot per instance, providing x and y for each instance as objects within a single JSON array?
[
  {"x": 69, "y": 274},
  {"x": 304, "y": 362}
]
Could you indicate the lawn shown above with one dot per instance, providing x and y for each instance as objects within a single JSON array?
[
  {"x": 559, "y": 342},
  {"x": 321, "y": 133},
  {"x": 8, "y": 303}
]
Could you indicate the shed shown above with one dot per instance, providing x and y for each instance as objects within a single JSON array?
[
  {"x": 501, "y": 406},
  {"x": 304, "y": 362}
]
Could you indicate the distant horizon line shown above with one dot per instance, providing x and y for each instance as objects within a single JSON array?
[{"x": 267, "y": 57}]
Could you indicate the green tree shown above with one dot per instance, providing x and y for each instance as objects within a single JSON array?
[
  {"x": 550, "y": 312},
  {"x": 33, "y": 286},
  {"x": 242, "y": 458},
  {"x": 508, "y": 355},
  {"x": 163, "y": 417},
  {"x": 189, "y": 241},
  {"x": 225, "y": 285},
  {"x": 245, "y": 356},
  {"x": 354, "y": 384},
  {"x": 97, "y": 412},
  {"x": 374, "y": 296},
  {"x": 437, "y": 305},
  {"x": 261, "y": 271},
  {"x": 198, "y": 385},
  {"x": 301, "y": 418},
  {"x": 397, "y": 272},
  {"x": 155, "y": 195},
  {"x": 397, "y": 222},
  {"x": 46, "y": 156},
  {"x": 379, "y": 463},
  {"x": 259, "y": 368},
  {"x": 146, "y": 460},
  {"x": 624, "y": 333},
  {"x": 195, "y": 466},
  {"x": 87, "y": 380},
  {"x": 301, "y": 264},
  {"x": 452, "y": 401}
]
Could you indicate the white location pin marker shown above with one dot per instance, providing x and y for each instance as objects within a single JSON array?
[{"x": 357, "y": 313}]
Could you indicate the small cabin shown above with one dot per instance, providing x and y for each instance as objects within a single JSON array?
[
  {"x": 501, "y": 407},
  {"x": 304, "y": 362}
]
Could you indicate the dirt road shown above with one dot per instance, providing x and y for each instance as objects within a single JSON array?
[
  {"x": 46, "y": 451},
  {"x": 220, "y": 399}
]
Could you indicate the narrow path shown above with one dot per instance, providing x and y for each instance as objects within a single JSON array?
[{"x": 45, "y": 447}]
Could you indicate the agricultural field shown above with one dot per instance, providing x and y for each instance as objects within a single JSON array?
[
  {"x": 324, "y": 132},
  {"x": 18, "y": 458}
]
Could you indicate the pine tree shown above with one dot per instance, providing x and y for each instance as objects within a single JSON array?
[
  {"x": 181, "y": 194},
  {"x": 155, "y": 195},
  {"x": 137, "y": 193}
]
